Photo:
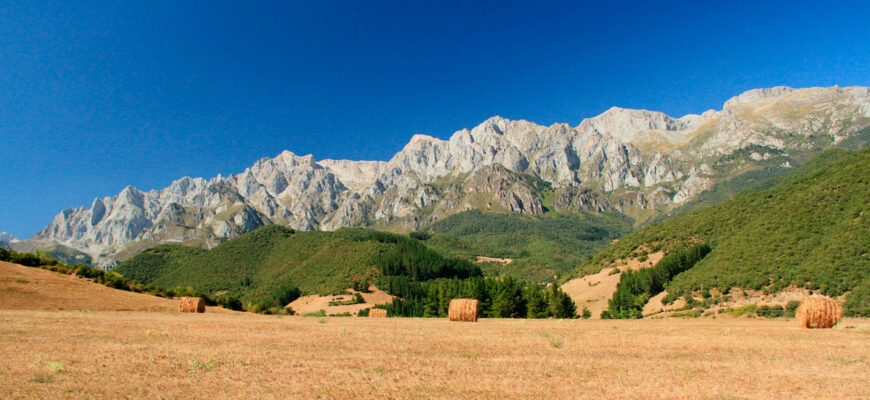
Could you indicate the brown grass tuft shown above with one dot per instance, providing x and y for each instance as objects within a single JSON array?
[
  {"x": 818, "y": 312},
  {"x": 463, "y": 310},
  {"x": 377, "y": 313},
  {"x": 191, "y": 305}
]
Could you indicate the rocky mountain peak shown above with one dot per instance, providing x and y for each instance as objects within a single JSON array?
[
  {"x": 754, "y": 95},
  {"x": 621, "y": 160},
  {"x": 8, "y": 237}
]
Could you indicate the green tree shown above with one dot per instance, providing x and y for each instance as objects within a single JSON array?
[
  {"x": 560, "y": 304},
  {"x": 536, "y": 302},
  {"x": 508, "y": 300}
]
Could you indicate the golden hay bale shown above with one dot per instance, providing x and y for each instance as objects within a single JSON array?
[
  {"x": 377, "y": 313},
  {"x": 463, "y": 310},
  {"x": 191, "y": 304},
  {"x": 818, "y": 312}
]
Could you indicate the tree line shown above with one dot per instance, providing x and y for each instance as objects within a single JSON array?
[{"x": 499, "y": 298}]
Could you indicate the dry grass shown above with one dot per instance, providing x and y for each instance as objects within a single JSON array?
[
  {"x": 111, "y": 354},
  {"x": 314, "y": 303},
  {"x": 67, "y": 354},
  {"x": 594, "y": 291},
  {"x": 38, "y": 289},
  {"x": 502, "y": 261}
]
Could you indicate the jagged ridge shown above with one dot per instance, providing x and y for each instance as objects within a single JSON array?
[{"x": 635, "y": 161}]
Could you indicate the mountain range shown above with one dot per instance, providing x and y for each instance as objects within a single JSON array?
[{"x": 643, "y": 164}]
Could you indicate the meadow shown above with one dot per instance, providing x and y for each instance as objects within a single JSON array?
[{"x": 136, "y": 354}]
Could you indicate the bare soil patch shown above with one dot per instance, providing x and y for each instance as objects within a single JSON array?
[
  {"x": 502, "y": 261},
  {"x": 314, "y": 303}
]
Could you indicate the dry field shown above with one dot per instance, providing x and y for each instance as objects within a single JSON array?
[
  {"x": 314, "y": 303},
  {"x": 38, "y": 289},
  {"x": 53, "y": 345},
  {"x": 70, "y": 354}
]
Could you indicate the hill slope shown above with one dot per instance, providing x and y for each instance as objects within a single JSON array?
[
  {"x": 28, "y": 288},
  {"x": 255, "y": 265},
  {"x": 538, "y": 247},
  {"x": 809, "y": 229}
]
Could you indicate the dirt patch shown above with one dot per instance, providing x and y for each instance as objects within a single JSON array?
[
  {"x": 635, "y": 264},
  {"x": 502, "y": 261},
  {"x": 655, "y": 306},
  {"x": 739, "y": 297},
  {"x": 314, "y": 303}
]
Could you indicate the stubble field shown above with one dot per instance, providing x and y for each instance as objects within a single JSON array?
[{"x": 106, "y": 354}]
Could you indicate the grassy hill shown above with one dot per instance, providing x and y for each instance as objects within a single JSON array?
[
  {"x": 809, "y": 229},
  {"x": 540, "y": 247},
  {"x": 256, "y": 265},
  {"x": 29, "y": 288}
]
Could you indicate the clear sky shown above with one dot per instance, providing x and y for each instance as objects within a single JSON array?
[{"x": 97, "y": 96}]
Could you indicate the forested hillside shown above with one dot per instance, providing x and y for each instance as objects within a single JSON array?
[
  {"x": 809, "y": 229},
  {"x": 539, "y": 247},
  {"x": 256, "y": 265}
]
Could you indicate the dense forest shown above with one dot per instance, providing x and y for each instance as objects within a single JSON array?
[
  {"x": 254, "y": 266},
  {"x": 539, "y": 247}
]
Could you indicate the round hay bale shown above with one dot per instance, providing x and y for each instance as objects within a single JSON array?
[
  {"x": 377, "y": 313},
  {"x": 818, "y": 312},
  {"x": 191, "y": 305},
  {"x": 463, "y": 310}
]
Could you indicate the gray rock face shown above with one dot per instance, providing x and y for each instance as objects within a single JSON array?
[
  {"x": 6, "y": 240},
  {"x": 620, "y": 160}
]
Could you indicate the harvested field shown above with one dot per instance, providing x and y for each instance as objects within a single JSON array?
[
  {"x": 67, "y": 354},
  {"x": 37, "y": 289}
]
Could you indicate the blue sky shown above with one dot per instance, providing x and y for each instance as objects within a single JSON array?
[{"x": 97, "y": 96}]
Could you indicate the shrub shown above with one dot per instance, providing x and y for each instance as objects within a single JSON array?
[
  {"x": 230, "y": 302},
  {"x": 791, "y": 308},
  {"x": 748, "y": 309},
  {"x": 318, "y": 313},
  {"x": 420, "y": 235},
  {"x": 85, "y": 271},
  {"x": 285, "y": 294}
]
